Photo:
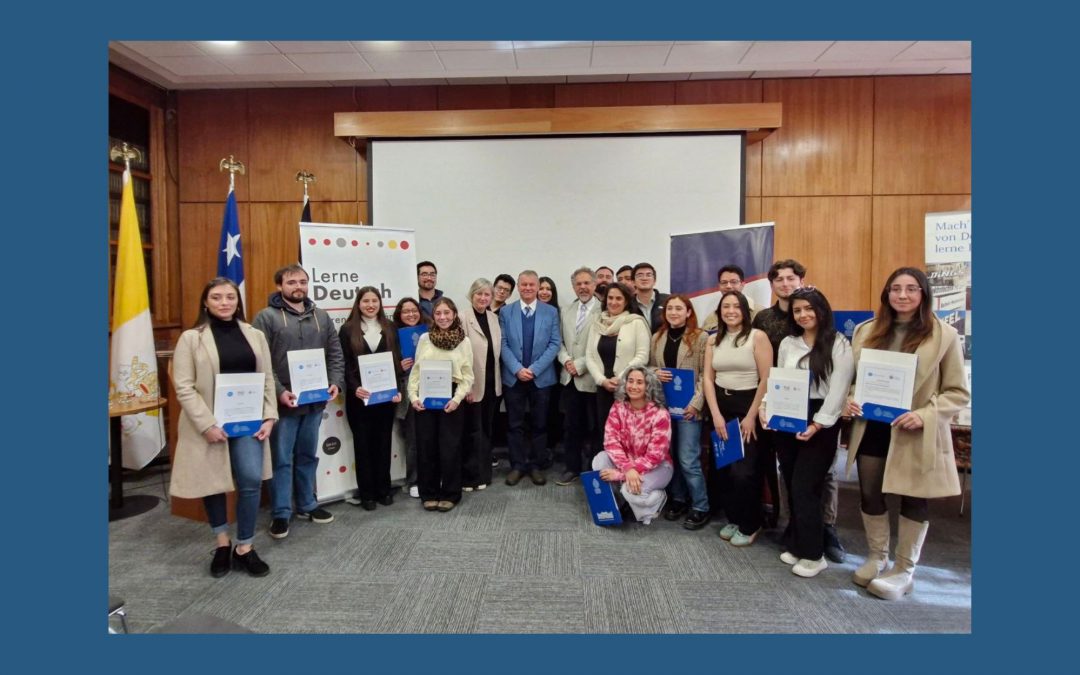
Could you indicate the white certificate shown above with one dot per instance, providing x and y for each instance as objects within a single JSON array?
[
  {"x": 238, "y": 402},
  {"x": 884, "y": 383},
  {"x": 436, "y": 382},
  {"x": 788, "y": 399},
  {"x": 377, "y": 376},
  {"x": 307, "y": 375}
]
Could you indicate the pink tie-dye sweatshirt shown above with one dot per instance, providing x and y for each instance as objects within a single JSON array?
[{"x": 637, "y": 439}]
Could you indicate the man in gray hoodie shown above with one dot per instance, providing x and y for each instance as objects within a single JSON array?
[{"x": 291, "y": 322}]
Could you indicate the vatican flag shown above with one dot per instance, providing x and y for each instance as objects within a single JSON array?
[{"x": 133, "y": 365}]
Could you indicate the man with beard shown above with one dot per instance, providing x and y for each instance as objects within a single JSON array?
[
  {"x": 579, "y": 393},
  {"x": 426, "y": 293},
  {"x": 291, "y": 322}
]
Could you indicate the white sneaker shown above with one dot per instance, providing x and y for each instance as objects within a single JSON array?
[
  {"x": 788, "y": 558},
  {"x": 810, "y": 568},
  {"x": 481, "y": 486},
  {"x": 466, "y": 489},
  {"x": 414, "y": 492},
  {"x": 728, "y": 531}
]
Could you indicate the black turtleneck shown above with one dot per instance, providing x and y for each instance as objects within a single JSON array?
[
  {"x": 234, "y": 352},
  {"x": 671, "y": 346},
  {"x": 489, "y": 359}
]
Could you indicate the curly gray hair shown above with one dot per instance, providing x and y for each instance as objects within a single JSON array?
[{"x": 654, "y": 391}]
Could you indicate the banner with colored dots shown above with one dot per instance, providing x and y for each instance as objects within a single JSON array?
[{"x": 341, "y": 259}]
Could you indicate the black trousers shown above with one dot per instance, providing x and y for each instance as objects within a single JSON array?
[
  {"x": 476, "y": 441},
  {"x": 805, "y": 465},
  {"x": 604, "y": 400},
  {"x": 581, "y": 430},
  {"x": 372, "y": 428},
  {"x": 740, "y": 483},
  {"x": 527, "y": 448},
  {"x": 438, "y": 454}
]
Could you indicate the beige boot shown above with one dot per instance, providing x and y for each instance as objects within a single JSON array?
[
  {"x": 899, "y": 581},
  {"x": 877, "y": 540}
]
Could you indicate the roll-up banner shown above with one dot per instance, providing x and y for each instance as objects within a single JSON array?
[
  {"x": 340, "y": 259},
  {"x": 948, "y": 266}
]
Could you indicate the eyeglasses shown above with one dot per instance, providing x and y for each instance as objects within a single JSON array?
[
  {"x": 911, "y": 290},
  {"x": 728, "y": 283},
  {"x": 429, "y": 275}
]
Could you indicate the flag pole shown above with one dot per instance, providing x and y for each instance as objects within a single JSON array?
[
  {"x": 306, "y": 177},
  {"x": 230, "y": 251},
  {"x": 233, "y": 166}
]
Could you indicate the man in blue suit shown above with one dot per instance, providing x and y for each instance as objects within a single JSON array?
[{"x": 530, "y": 343}]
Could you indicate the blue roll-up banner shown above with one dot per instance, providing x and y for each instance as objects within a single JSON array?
[{"x": 696, "y": 258}]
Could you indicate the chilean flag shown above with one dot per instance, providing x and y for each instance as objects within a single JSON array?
[{"x": 230, "y": 262}]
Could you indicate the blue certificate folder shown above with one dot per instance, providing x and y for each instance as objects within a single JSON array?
[
  {"x": 408, "y": 337},
  {"x": 679, "y": 391},
  {"x": 602, "y": 504},
  {"x": 881, "y": 413},
  {"x": 313, "y": 396},
  {"x": 239, "y": 429},
  {"x": 731, "y": 450}
]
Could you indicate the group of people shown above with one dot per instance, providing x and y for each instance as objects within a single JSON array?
[{"x": 602, "y": 360}]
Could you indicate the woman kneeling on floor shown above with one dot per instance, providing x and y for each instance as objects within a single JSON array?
[{"x": 637, "y": 443}]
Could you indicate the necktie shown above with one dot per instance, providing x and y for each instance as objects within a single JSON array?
[
  {"x": 528, "y": 312},
  {"x": 580, "y": 318}
]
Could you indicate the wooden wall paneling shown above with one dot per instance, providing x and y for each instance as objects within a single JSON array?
[
  {"x": 293, "y": 129},
  {"x": 825, "y": 146},
  {"x": 831, "y": 236},
  {"x": 922, "y": 135},
  {"x": 134, "y": 89},
  {"x": 753, "y": 210},
  {"x": 614, "y": 93},
  {"x": 200, "y": 233},
  {"x": 383, "y": 99},
  {"x": 899, "y": 233},
  {"x": 213, "y": 125},
  {"x": 165, "y": 304},
  {"x": 753, "y": 169},
  {"x": 477, "y": 97}
]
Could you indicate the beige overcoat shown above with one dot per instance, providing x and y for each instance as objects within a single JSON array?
[
  {"x": 201, "y": 468},
  {"x": 479, "y": 343},
  {"x": 921, "y": 463}
]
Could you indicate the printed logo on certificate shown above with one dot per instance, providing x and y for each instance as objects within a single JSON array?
[
  {"x": 238, "y": 402},
  {"x": 436, "y": 383},
  {"x": 788, "y": 399},
  {"x": 307, "y": 375},
  {"x": 884, "y": 383},
  {"x": 378, "y": 377}
]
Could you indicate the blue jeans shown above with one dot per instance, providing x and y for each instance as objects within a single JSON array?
[
  {"x": 688, "y": 483},
  {"x": 294, "y": 443},
  {"x": 246, "y": 458}
]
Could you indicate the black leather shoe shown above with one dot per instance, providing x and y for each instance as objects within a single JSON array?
[
  {"x": 834, "y": 550},
  {"x": 219, "y": 566},
  {"x": 387, "y": 500},
  {"x": 514, "y": 477},
  {"x": 696, "y": 520},
  {"x": 676, "y": 510},
  {"x": 367, "y": 504},
  {"x": 537, "y": 477},
  {"x": 251, "y": 562}
]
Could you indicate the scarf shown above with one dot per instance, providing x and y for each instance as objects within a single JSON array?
[
  {"x": 610, "y": 325},
  {"x": 447, "y": 339}
]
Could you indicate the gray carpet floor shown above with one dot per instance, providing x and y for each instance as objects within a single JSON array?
[{"x": 524, "y": 559}]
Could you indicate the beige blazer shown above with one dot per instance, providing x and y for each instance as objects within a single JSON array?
[
  {"x": 690, "y": 360},
  {"x": 574, "y": 344},
  {"x": 921, "y": 463},
  {"x": 479, "y": 342},
  {"x": 201, "y": 468}
]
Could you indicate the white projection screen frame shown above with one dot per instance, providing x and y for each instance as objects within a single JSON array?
[{"x": 483, "y": 206}]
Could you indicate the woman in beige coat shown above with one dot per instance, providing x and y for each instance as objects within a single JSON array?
[
  {"x": 485, "y": 336},
  {"x": 913, "y": 456},
  {"x": 208, "y": 463},
  {"x": 618, "y": 340}
]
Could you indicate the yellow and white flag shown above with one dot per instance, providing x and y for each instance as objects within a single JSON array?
[{"x": 133, "y": 365}]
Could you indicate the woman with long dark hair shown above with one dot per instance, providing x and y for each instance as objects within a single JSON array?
[
  {"x": 407, "y": 314},
  {"x": 618, "y": 340},
  {"x": 439, "y": 431},
  {"x": 807, "y": 457},
  {"x": 549, "y": 294},
  {"x": 913, "y": 456},
  {"x": 679, "y": 343},
  {"x": 208, "y": 463},
  {"x": 737, "y": 362},
  {"x": 368, "y": 331}
]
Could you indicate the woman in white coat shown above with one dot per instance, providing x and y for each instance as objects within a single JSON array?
[
  {"x": 208, "y": 463},
  {"x": 618, "y": 340}
]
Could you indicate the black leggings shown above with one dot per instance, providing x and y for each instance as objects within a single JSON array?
[{"x": 873, "y": 450}]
